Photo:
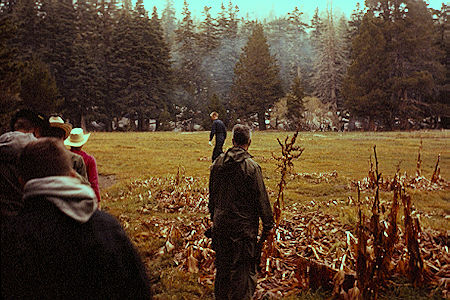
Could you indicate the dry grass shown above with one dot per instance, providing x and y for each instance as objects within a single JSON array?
[{"x": 130, "y": 156}]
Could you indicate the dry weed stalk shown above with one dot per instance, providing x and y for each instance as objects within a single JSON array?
[
  {"x": 419, "y": 161},
  {"x": 437, "y": 171},
  {"x": 415, "y": 270},
  {"x": 373, "y": 262},
  {"x": 289, "y": 152}
]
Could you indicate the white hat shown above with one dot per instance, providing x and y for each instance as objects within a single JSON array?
[
  {"x": 59, "y": 123},
  {"x": 77, "y": 138}
]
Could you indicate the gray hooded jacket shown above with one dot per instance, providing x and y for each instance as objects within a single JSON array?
[{"x": 11, "y": 145}]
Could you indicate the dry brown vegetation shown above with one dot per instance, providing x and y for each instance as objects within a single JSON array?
[{"x": 348, "y": 243}]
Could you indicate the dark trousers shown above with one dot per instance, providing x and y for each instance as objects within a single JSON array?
[
  {"x": 236, "y": 269},
  {"x": 218, "y": 148}
]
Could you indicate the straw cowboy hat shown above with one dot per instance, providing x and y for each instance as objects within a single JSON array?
[
  {"x": 58, "y": 122},
  {"x": 77, "y": 138}
]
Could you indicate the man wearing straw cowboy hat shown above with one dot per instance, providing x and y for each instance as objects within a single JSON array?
[
  {"x": 76, "y": 140},
  {"x": 61, "y": 130}
]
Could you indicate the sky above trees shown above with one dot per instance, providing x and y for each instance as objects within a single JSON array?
[{"x": 263, "y": 8}]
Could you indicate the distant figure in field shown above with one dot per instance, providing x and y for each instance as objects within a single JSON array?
[
  {"x": 26, "y": 125},
  {"x": 61, "y": 246},
  {"x": 76, "y": 140},
  {"x": 237, "y": 200},
  {"x": 220, "y": 131},
  {"x": 61, "y": 130}
]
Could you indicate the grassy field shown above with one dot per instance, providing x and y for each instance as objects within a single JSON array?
[{"x": 340, "y": 157}]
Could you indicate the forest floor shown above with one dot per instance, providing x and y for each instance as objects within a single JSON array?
[{"x": 156, "y": 183}]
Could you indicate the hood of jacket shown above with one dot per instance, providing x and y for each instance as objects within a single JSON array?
[
  {"x": 12, "y": 144},
  {"x": 68, "y": 194},
  {"x": 235, "y": 155}
]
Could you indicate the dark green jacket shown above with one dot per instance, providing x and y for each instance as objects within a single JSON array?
[{"x": 238, "y": 196}]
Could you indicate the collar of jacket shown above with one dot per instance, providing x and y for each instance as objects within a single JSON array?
[{"x": 68, "y": 194}]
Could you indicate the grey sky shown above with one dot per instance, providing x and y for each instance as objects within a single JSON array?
[{"x": 262, "y": 8}]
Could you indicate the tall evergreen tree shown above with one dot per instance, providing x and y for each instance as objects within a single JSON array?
[
  {"x": 329, "y": 63},
  {"x": 412, "y": 56},
  {"x": 59, "y": 33},
  {"x": 10, "y": 69},
  {"x": 169, "y": 23},
  {"x": 189, "y": 64},
  {"x": 227, "y": 54},
  {"x": 38, "y": 89},
  {"x": 294, "y": 103},
  {"x": 107, "y": 85},
  {"x": 86, "y": 64},
  {"x": 162, "y": 80},
  {"x": 256, "y": 83}
]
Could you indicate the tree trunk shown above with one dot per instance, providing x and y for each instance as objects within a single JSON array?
[
  {"x": 83, "y": 122},
  {"x": 262, "y": 120}
]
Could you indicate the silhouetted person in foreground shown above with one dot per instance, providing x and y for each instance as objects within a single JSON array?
[
  {"x": 237, "y": 200},
  {"x": 61, "y": 246},
  {"x": 220, "y": 131}
]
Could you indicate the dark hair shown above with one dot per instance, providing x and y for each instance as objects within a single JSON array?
[
  {"x": 54, "y": 132},
  {"x": 241, "y": 134},
  {"x": 44, "y": 157},
  {"x": 27, "y": 119},
  {"x": 22, "y": 124}
]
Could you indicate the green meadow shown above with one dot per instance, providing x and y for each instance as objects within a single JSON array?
[{"x": 321, "y": 180}]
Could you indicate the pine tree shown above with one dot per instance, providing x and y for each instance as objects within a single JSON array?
[
  {"x": 188, "y": 60},
  {"x": 329, "y": 63},
  {"x": 412, "y": 58},
  {"x": 86, "y": 96},
  {"x": 11, "y": 68},
  {"x": 106, "y": 82},
  {"x": 208, "y": 39},
  {"x": 294, "y": 103},
  {"x": 59, "y": 33},
  {"x": 365, "y": 89},
  {"x": 168, "y": 23},
  {"x": 256, "y": 83},
  {"x": 162, "y": 79},
  {"x": 29, "y": 28},
  {"x": 227, "y": 54},
  {"x": 442, "y": 107},
  {"x": 38, "y": 89}
]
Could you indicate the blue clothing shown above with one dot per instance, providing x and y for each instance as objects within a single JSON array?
[{"x": 220, "y": 131}]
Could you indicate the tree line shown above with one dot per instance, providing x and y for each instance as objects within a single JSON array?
[{"x": 101, "y": 60}]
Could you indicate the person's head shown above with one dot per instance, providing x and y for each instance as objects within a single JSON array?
[
  {"x": 42, "y": 158},
  {"x": 28, "y": 121},
  {"x": 214, "y": 115},
  {"x": 58, "y": 128},
  {"x": 241, "y": 136},
  {"x": 77, "y": 138}
]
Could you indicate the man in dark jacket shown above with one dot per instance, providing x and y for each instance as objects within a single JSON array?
[
  {"x": 220, "y": 131},
  {"x": 26, "y": 125},
  {"x": 238, "y": 199},
  {"x": 60, "y": 246}
]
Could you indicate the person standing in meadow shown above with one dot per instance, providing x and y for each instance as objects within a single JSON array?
[
  {"x": 220, "y": 131},
  {"x": 237, "y": 200},
  {"x": 61, "y": 246},
  {"x": 76, "y": 140}
]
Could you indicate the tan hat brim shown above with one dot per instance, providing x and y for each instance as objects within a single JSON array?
[{"x": 70, "y": 143}]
